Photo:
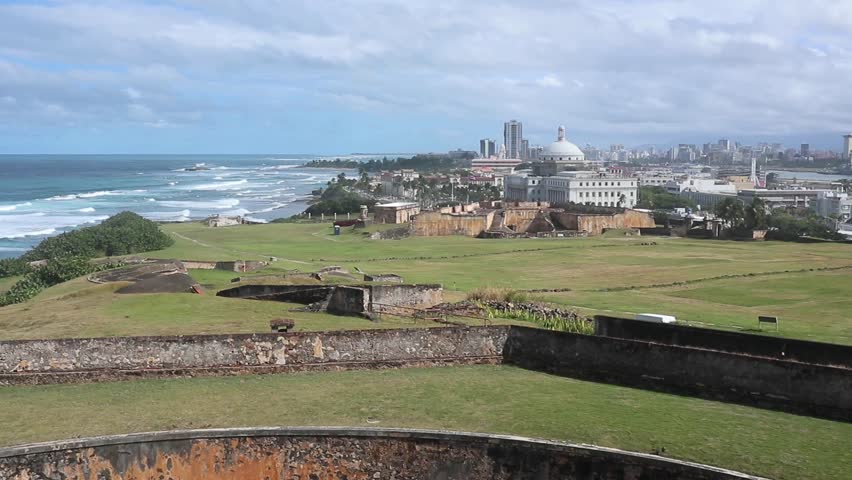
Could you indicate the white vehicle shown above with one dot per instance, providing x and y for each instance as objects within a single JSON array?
[{"x": 655, "y": 317}]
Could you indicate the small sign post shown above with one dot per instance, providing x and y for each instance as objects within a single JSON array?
[{"x": 767, "y": 319}]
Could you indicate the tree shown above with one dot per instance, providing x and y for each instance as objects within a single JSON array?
[
  {"x": 731, "y": 211},
  {"x": 756, "y": 217}
]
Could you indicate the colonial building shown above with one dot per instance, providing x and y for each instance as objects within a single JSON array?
[{"x": 587, "y": 188}]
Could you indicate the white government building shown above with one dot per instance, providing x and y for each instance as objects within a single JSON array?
[{"x": 581, "y": 187}]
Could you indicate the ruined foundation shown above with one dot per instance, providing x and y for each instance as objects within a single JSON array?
[{"x": 339, "y": 454}]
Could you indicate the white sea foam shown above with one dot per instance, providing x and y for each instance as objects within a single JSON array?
[
  {"x": 236, "y": 212},
  {"x": 39, "y": 224},
  {"x": 222, "y": 204},
  {"x": 62, "y": 197},
  {"x": 179, "y": 216},
  {"x": 151, "y": 200},
  {"x": 235, "y": 185},
  {"x": 72, "y": 196},
  {"x": 86, "y": 210},
  {"x": 9, "y": 208},
  {"x": 96, "y": 194}
]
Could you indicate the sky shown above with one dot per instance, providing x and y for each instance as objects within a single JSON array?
[{"x": 341, "y": 76}]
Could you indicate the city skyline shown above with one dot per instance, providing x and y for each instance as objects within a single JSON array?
[{"x": 204, "y": 77}]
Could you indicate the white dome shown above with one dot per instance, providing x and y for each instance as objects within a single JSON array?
[{"x": 562, "y": 149}]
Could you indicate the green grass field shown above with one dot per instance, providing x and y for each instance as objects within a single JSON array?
[
  {"x": 811, "y": 303},
  {"x": 485, "y": 398}
]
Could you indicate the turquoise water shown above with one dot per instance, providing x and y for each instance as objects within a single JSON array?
[{"x": 43, "y": 195}]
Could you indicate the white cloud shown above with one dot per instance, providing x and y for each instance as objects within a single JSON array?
[{"x": 549, "y": 81}]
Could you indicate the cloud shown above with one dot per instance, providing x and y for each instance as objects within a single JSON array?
[
  {"x": 607, "y": 69},
  {"x": 549, "y": 81}
]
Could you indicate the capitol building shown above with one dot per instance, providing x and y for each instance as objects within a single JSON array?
[{"x": 559, "y": 178}]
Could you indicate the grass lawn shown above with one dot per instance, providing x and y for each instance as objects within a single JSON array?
[
  {"x": 483, "y": 398},
  {"x": 811, "y": 304}
]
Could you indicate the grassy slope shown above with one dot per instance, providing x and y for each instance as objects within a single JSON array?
[{"x": 488, "y": 399}]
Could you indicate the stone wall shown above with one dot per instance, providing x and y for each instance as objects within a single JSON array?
[
  {"x": 69, "y": 360},
  {"x": 596, "y": 223},
  {"x": 383, "y": 277},
  {"x": 520, "y": 219},
  {"x": 338, "y": 453},
  {"x": 436, "y": 224},
  {"x": 349, "y": 301},
  {"x": 734, "y": 342},
  {"x": 230, "y": 266},
  {"x": 798, "y": 387},
  {"x": 384, "y": 297}
]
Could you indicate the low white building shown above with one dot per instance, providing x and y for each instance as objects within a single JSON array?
[
  {"x": 834, "y": 205},
  {"x": 702, "y": 185},
  {"x": 587, "y": 188}
]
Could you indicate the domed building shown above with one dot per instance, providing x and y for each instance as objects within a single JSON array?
[{"x": 563, "y": 151}]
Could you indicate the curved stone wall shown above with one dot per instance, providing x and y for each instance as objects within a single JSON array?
[{"x": 336, "y": 453}]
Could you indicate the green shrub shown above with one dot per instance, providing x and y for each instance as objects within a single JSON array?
[
  {"x": 61, "y": 270},
  {"x": 494, "y": 294},
  {"x": 11, "y": 267},
  {"x": 25, "y": 289}
]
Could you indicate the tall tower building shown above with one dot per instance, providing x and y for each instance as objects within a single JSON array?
[
  {"x": 847, "y": 147},
  {"x": 805, "y": 150},
  {"x": 525, "y": 149},
  {"x": 513, "y": 133},
  {"x": 487, "y": 148}
]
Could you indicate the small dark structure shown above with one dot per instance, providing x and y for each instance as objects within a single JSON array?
[{"x": 281, "y": 325}]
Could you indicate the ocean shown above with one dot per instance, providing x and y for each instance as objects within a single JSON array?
[{"x": 44, "y": 195}]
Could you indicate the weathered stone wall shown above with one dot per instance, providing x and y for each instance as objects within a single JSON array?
[
  {"x": 596, "y": 223},
  {"x": 349, "y": 301},
  {"x": 328, "y": 453},
  {"x": 383, "y": 277},
  {"x": 519, "y": 219},
  {"x": 420, "y": 296},
  {"x": 230, "y": 266},
  {"x": 734, "y": 342},
  {"x": 799, "y": 387},
  {"x": 65, "y": 360},
  {"x": 436, "y": 224}
]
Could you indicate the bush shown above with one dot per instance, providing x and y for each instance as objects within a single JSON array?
[
  {"x": 492, "y": 294},
  {"x": 23, "y": 290},
  {"x": 62, "y": 270},
  {"x": 10, "y": 267}
]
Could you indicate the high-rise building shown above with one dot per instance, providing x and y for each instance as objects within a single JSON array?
[
  {"x": 725, "y": 144},
  {"x": 525, "y": 149},
  {"x": 513, "y": 133},
  {"x": 805, "y": 150},
  {"x": 847, "y": 147},
  {"x": 487, "y": 148}
]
